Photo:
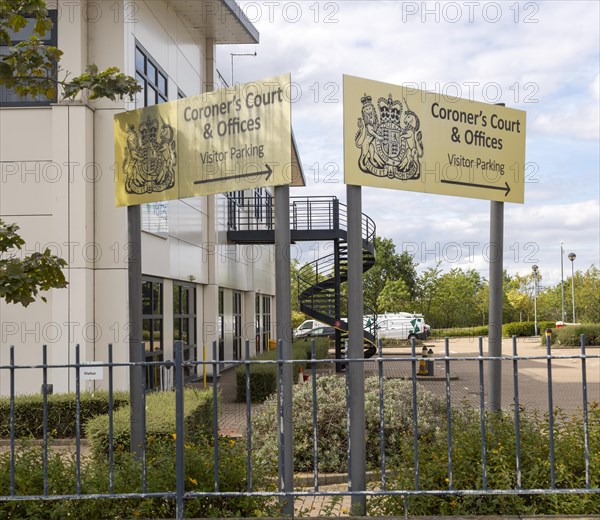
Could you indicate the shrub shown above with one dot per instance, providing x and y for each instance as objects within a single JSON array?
[
  {"x": 460, "y": 332},
  {"x": 127, "y": 478},
  {"x": 518, "y": 328},
  {"x": 569, "y": 336},
  {"x": 61, "y": 413},
  {"x": 500, "y": 465},
  {"x": 332, "y": 432},
  {"x": 263, "y": 377},
  {"x": 160, "y": 421},
  {"x": 525, "y": 328}
]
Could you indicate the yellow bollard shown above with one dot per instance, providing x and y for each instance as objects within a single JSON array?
[{"x": 423, "y": 363}]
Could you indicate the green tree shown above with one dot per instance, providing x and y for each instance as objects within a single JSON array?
[
  {"x": 427, "y": 284},
  {"x": 587, "y": 296},
  {"x": 31, "y": 68},
  {"x": 456, "y": 299},
  {"x": 395, "y": 296},
  {"x": 519, "y": 293},
  {"x": 389, "y": 266},
  {"x": 21, "y": 279}
]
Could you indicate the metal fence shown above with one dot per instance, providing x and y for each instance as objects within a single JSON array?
[{"x": 380, "y": 485}]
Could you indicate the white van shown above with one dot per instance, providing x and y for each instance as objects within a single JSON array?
[
  {"x": 306, "y": 326},
  {"x": 402, "y": 325}
]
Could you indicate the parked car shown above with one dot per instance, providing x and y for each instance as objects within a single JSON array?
[
  {"x": 320, "y": 332},
  {"x": 306, "y": 326}
]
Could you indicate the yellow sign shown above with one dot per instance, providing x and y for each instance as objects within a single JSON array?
[
  {"x": 408, "y": 139},
  {"x": 232, "y": 139}
]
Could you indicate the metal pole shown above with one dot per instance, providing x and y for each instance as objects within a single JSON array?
[
  {"x": 179, "y": 432},
  {"x": 136, "y": 355},
  {"x": 495, "y": 304},
  {"x": 562, "y": 285},
  {"x": 535, "y": 304},
  {"x": 535, "y": 275},
  {"x": 283, "y": 307},
  {"x": 573, "y": 284},
  {"x": 356, "y": 369}
]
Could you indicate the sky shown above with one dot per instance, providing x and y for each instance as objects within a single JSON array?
[{"x": 541, "y": 57}]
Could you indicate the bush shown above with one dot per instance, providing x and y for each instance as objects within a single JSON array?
[
  {"x": 263, "y": 377},
  {"x": 525, "y": 328},
  {"x": 500, "y": 465},
  {"x": 569, "y": 336},
  {"x": 332, "y": 431},
  {"x": 460, "y": 332},
  {"x": 127, "y": 478},
  {"x": 61, "y": 413},
  {"x": 160, "y": 421}
]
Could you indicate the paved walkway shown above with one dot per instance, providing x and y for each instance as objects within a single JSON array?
[
  {"x": 465, "y": 384},
  {"x": 465, "y": 378}
]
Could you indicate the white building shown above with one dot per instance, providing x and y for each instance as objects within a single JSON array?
[{"x": 57, "y": 185}]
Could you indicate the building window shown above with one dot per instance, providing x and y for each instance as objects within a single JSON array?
[
  {"x": 221, "y": 326},
  {"x": 153, "y": 80},
  {"x": 266, "y": 321},
  {"x": 155, "y": 217},
  {"x": 237, "y": 325},
  {"x": 257, "y": 321},
  {"x": 151, "y": 77},
  {"x": 8, "y": 98},
  {"x": 184, "y": 324},
  {"x": 152, "y": 331}
]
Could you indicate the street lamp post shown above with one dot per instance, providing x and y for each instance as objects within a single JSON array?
[
  {"x": 534, "y": 268},
  {"x": 572, "y": 257},
  {"x": 562, "y": 285}
]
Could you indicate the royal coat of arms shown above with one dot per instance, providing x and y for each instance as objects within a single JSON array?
[
  {"x": 150, "y": 157},
  {"x": 390, "y": 143}
]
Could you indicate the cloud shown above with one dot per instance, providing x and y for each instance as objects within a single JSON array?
[{"x": 541, "y": 57}]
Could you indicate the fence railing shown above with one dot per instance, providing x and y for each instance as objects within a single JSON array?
[{"x": 501, "y": 436}]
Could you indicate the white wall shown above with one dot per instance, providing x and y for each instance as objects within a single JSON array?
[{"x": 57, "y": 183}]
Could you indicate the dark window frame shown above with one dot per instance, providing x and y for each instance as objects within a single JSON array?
[
  {"x": 151, "y": 84},
  {"x": 154, "y": 317},
  {"x": 51, "y": 40},
  {"x": 236, "y": 314},
  {"x": 266, "y": 321},
  {"x": 180, "y": 314}
]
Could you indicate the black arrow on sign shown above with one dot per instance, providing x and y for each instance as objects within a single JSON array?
[
  {"x": 505, "y": 188},
  {"x": 266, "y": 172}
]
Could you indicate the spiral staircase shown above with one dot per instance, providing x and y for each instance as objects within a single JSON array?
[{"x": 319, "y": 218}]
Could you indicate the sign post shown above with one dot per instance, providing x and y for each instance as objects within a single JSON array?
[
  {"x": 227, "y": 140},
  {"x": 284, "y": 333},
  {"x": 136, "y": 352},
  {"x": 406, "y": 139},
  {"x": 356, "y": 369},
  {"x": 495, "y": 304}
]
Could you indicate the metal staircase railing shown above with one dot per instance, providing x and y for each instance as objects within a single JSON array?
[
  {"x": 318, "y": 281},
  {"x": 250, "y": 220}
]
